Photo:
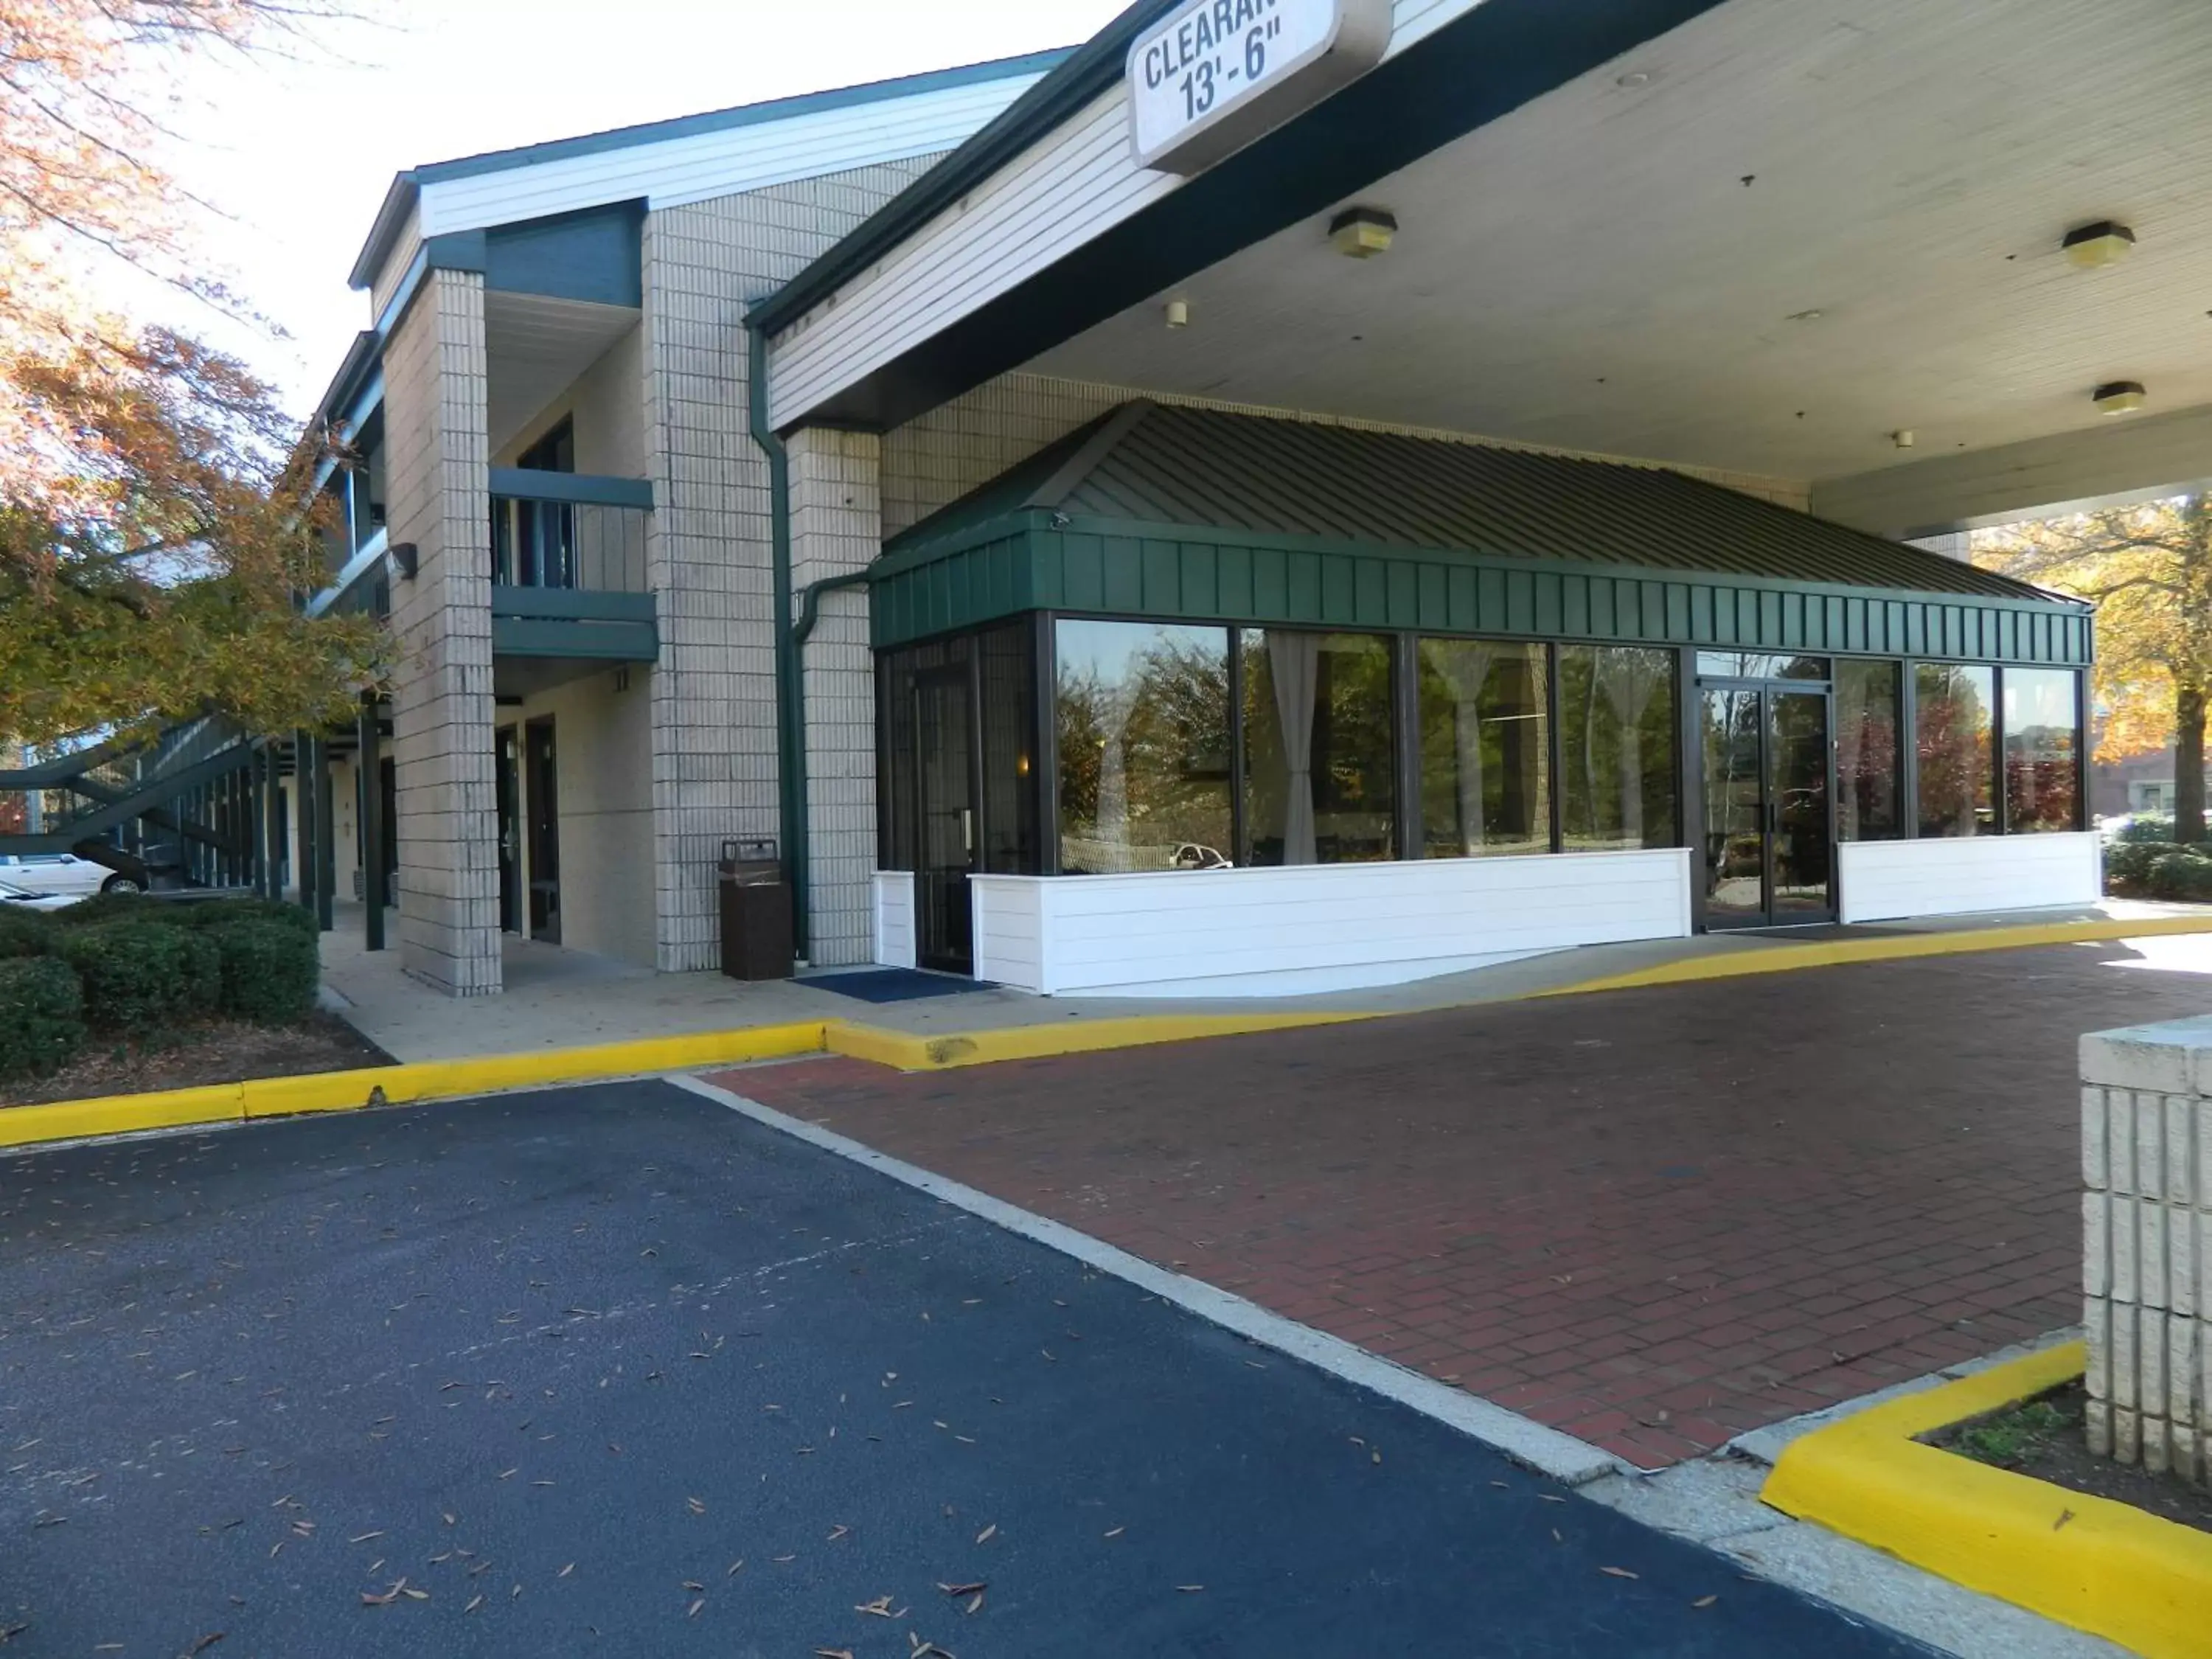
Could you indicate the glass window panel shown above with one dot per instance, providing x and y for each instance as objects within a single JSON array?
[
  {"x": 1760, "y": 666},
  {"x": 901, "y": 841},
  {"x": 1867, "y": 752},
  {"x": 1011, "y": 842},
  {"x": 1320, "y": 778},
  {"x": 2043, "y": 765},
  {"x": 1955, "y": 714},
  {"x": 1617, "y": 772},
  {"x": 1486, "y": 749},
  {"x": 1142, "y": 717}
]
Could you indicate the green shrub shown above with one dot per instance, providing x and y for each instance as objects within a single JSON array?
[
  {"x": 115, "y": 906},
  {"x": 222, "y": 913},
  {"x": 2127, "y": 865},
  {"x": 269, "y": 968},
  {"x": 41, "y": 1015},
  {"x": 141, "y": 977},
  {"x": 26, "y": 933},
  {"x": 2146, "y": 830},
  {"x": 2180, "y": 875}
]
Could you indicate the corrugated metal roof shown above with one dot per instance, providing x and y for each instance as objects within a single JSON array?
[{"x": 1162, "y": 464}]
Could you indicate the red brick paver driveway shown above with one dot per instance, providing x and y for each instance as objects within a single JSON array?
[{"x": 1653, "y": 1219}]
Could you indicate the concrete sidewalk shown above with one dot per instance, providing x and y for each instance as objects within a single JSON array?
[{"x": 557, "y": 998}]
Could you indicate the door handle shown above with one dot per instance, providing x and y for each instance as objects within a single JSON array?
[{"x": 967, "y": 829}]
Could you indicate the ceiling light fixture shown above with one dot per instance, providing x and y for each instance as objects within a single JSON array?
[
  {"x": 2119, "y": 397},
  {"x": 1361, "y": 233},
  {"x": 2104, "y": 243},
  {"x": 1903, "y": 437},
  {"x": 1634, "y": 79},
  {"x": 1813, "y": 315},
  {"x": 1178, "y": 313}
]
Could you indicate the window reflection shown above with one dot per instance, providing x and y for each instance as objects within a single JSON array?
[
  {"x": 1320, "y": 764},
  {"x": 1142, "y": 715},
  {"x": 1867, "y": 787},
  {"x": 1616, "y": 747},
  {"x": 1956, "y": 714},
  {"x": 1486, "y": 749},
  {"x": 1760, "y": 666},
  {"x": 2043, "y": 771}
]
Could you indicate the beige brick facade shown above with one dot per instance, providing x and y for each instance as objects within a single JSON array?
[
  {"x": 836, "y": 529},
  {"x": 709, "y": 548},
  {"x": 437, "y": 491}
]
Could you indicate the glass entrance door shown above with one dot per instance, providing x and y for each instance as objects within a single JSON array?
[
  {"x": 1770, "y": 834},
  {"x": 944, "y": 757}
]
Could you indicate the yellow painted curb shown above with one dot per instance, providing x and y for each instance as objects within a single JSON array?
[
  {"x": 345, "y": 1091},
  {"x": 2089, "y": 1562},
  {"x": 909, "y": 1052},
  {"x": 1786, "y": 959}
]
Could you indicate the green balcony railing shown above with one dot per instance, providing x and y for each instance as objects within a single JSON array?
[{"x": 569, "y": 531}]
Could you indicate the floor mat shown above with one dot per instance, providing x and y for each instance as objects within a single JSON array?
[{"x": 894, "y": 984}]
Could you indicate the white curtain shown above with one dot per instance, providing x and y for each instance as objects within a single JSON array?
[
  {"x": 1464, "y": 667},
  {"x": 1117, "y": 703},
  {"x": 1630, "y": 682},
  {"x": 1294, "y": 664}
]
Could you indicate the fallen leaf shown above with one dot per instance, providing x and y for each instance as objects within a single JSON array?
[
  {"x": 1117, "y": 1532},
  {"x": 833, "y": 1653},
  {"x": 1618, "y": 1572},
  {"x": 988, "y": 1533},
  {"x": 692, "y": 1584},
  {"x": 734, "y": 1566},
  {"x": 364, "y": 1537},
  {"x": 205, "y": 1642},
  {"x": 566, "y": 1570},
  {"x": 1705, "y": 1601},
  {"x": 878, "y": 1608},
  {"x": 1549, "y": 1497},
  {"x": 1190, "y": 1590},
  {"x": 784, "y": 1557},
  {"x": 963, "y": 1589},
  {"x": 975, "y": 1602},
  {"x": 473, "y": 1605},
  {"x": 694, "y": 1506},
  {"x": 414, "y": 1594},
  {"x": 695, "y": 1606},
  {"x": 504, "y": 1474},
  {"x": 446, "y": 1516},
  {"x": 837, "y": 1532},
  {"x": 2064, "y": 1516}
]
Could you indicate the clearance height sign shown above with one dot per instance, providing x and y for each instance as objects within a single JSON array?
[{"x": 1215, "y": 74}]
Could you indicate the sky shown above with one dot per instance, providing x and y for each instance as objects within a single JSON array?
[{"x": 297, "y": 147}]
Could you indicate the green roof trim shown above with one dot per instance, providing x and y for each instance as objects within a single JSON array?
[{"x": 1193, "y": 515}]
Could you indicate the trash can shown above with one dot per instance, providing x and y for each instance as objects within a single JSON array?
[{"x": 756, "y": 911}]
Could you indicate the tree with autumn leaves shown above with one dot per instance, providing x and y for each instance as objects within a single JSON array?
[
  {"x": 2148, "y": 570},
  {"x": 158, "y": 522}
]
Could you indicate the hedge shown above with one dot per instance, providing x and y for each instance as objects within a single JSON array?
[
  {"x": 2159, "y": 870},
  {"x": 26, "y": 933},
  {"x": 41, "y": 1015},
  {"x": 141, "y": 978},
  {"x": 270, "y": 969}
]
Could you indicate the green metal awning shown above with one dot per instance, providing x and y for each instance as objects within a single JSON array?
[{"x": 1191, "y": 514}]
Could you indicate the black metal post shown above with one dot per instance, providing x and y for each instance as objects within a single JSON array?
[
  {"x": 271, "y": 822},
  {"x": 303, "y": 819},
  {"x": 370, "y": 805}
]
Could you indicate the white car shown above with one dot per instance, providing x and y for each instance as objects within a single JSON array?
[
  {"x": 63, "y": 874},
  {"x": 13, "y": 898}
]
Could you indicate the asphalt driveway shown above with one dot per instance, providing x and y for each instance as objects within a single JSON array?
[{"x": 616, "y": 1370}]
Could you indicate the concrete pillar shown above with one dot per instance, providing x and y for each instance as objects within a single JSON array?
[
  {"x": 836, "y": 529},
  {"x": 438, "y": 498}
]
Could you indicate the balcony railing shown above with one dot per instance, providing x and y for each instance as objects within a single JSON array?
[{"x": 569, "y": 530}]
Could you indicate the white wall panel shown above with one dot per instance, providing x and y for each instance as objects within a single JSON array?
[
  {"x": 894, "y": 925},
  {"x": 1315, "y": 928},
  {"x": 1889, "y": 880}
]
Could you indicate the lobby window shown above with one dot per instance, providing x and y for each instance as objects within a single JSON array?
[
  {"x": 1005, "y": 668},
  {"x": 1867, "y": 752},
  {"x": 2042, "y": 754},
  {"x": 1321, "y": 765},
  {"x": 1616, "y": 771},
  {"x": 1486, "y": 749},
  {"x": 1956, "y": 716},
  {"x": 1142, "y": 718}
]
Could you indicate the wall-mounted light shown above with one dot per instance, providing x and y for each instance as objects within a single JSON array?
[
  {"x": 1177, "y": 313},
  {"x": 2119, "y": 397},
  {"x": 2104, "y": 243},
  {"x": 403, "y": 557},
  {"x": 1903, "y": 437},
  {"x": 1361, "y": 233}
]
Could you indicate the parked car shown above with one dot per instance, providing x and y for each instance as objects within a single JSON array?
[
  {"x": 64, "y": 874},
  {"x": 13, "y": 898}
]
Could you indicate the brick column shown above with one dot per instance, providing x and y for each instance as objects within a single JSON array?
[
  {"x": 2147, "y": 1235},
  {"x": 438, "y": 497},
  {"x": 836, "y": 528}
]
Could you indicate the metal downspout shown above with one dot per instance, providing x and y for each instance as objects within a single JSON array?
[{"x": 790, "y": 728}]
